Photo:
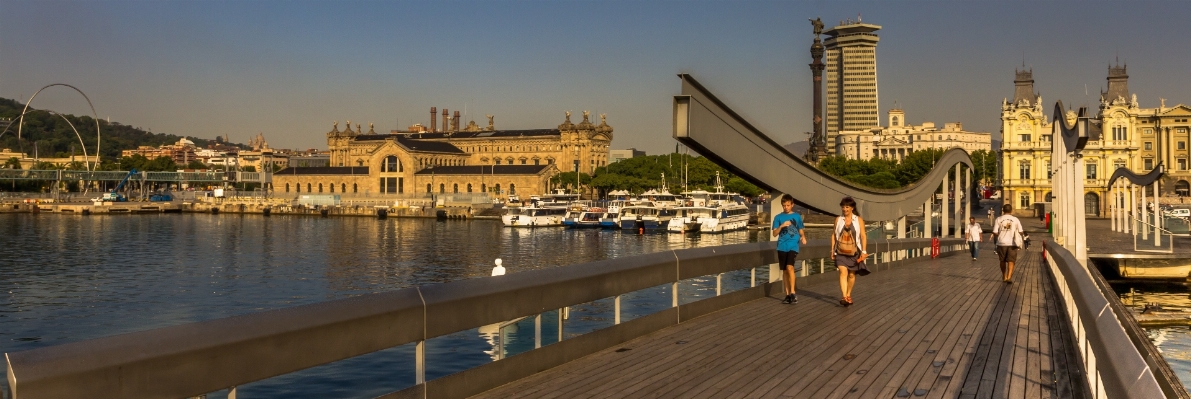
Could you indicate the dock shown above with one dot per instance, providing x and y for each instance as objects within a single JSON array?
[{"x": 940, "y": 328}]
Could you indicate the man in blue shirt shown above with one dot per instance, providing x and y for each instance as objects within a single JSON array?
[{"x": 787, "y": 227}]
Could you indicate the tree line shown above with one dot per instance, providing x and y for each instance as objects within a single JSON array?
[
  {"x": 883, "y": 173},
  {"x": 640, "y": 174}
]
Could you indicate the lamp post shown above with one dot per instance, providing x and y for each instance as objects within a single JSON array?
[{"x": 576, "y": 148}]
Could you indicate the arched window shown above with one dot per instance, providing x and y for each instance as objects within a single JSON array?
[
  {"x": 498, "y": 161},
  {"x": 391, "y": 164},
  {"x": 428, "y": 187},
  {"x": 512, "y": 189},
  {"x": 343, "y": 187},
  {"x": 895, "y": 121},
  {"x": 455, "y": 189},
  {"x": 442, "y": 188},
  {"x": 469, "y": 187},
  {"x": 483, "y": 187},
  {"x": 320, "y": 187},
  {"x": 497, "y": 188},
  {"x": 355, "y": 188},
  {"x": 332, "y": 187},
  {"x": 287, "y": 187},
  {"x": 308, "y": 188}
]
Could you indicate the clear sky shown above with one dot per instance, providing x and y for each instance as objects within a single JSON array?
[{"x": 288, "y": 69}]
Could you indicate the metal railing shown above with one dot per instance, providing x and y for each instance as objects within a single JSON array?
[
  {"x": 1115, "y": 368},
  {"x": 1145, "y": 239},
  {"x": 198, "y": 358}
]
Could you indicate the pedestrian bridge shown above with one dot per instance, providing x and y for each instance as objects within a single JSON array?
[{"x": 921, "y": 326}]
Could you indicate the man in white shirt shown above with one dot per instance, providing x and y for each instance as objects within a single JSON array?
[
  {"x": 975, "y": 234},
  {"x": 1007, "y": 233}
]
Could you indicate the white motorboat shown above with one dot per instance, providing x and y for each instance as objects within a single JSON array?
[
  {"x": 688, "y": 218},
  {"x": 728, "y": 217},
  {"x": 534, "y": 216}
]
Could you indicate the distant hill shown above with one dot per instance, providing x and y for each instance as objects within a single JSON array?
[
  {"x": 798, "y": 148},
  {"x": 54, "y": 137}
]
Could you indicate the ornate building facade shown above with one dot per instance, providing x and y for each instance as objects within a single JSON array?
[
  {"x": 472, "y": 159},
  {"x": 1124, "y": 135},
  {"x": 901, "y": 139}
]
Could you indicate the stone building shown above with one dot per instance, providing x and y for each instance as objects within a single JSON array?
[
  {"x": 1123, "y": 135},
  {"x": 472, "y": 159},
  {"x": 901, "y": 139}
]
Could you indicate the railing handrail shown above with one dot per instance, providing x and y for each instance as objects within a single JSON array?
[
  {"x": 1114, "y": 363},
  {"x": 207, "y": 356}
]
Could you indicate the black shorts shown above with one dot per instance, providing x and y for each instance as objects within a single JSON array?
[{"x": 788, "y": 258}]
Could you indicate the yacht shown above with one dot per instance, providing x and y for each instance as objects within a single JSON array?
[
  {"x": 688, "y": 218},
  {"x": 589, "y": 218},
  {"x": 645, "y": 215},
  {"x": 534, "y": 216},
  {"x": 727, "y": 217}
]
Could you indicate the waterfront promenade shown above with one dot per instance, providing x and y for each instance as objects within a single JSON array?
[{"x": 941, "y": 328}]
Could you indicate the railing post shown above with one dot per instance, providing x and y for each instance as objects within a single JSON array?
[
  {"x": 674, "y": 294},
  {"x": 753, "y": 278},
  {"x": 822, "y": 263},
  {"x": 231, "y": 393},
  {"x": 537, "y": 327},
  {"x": 719, "y": 284},
  {"x": 420, "y": 363},
  {"x": 561, "y": 315},
  {"x": 616, "y": 309}
]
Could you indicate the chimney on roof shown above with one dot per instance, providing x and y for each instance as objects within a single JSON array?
[
  {"x": 433, "y": 119},
  {"x": 455, "y": 122},
  {"x": 445, "y": 125}
]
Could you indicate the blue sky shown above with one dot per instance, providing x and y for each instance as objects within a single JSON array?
[{"x": 289, "y": 69}]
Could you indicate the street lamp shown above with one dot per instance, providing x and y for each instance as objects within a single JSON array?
[{"x": 576, "y": 148}]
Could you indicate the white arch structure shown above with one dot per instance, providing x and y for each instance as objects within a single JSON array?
[{"x": 94, "y": 116}]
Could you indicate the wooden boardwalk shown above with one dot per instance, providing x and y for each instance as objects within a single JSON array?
[{"x": 941, "y": 328}]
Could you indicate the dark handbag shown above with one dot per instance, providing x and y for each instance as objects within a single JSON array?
[{"x": 862, "y": 269}]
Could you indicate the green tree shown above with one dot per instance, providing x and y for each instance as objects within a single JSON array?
[
  {"x": 12, "y": 163},
  {"x": 161, "y": 164},
  {"x": 196, "y": 164}
]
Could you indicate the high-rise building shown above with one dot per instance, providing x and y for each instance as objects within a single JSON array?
[{"x": 851, "y": 77}]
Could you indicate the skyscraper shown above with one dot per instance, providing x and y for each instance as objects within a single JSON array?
[{"x": 851, "y": 78}]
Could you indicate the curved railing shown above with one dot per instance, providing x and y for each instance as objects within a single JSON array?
[
  {"x": 198, "y": 358},
  {"x": 1115, "y": 369},
  {"x": 707, "y": 125}
]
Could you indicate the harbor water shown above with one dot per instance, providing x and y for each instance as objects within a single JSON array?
[{"x": 72, "y": 278}]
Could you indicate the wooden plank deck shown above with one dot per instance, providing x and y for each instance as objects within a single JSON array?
[{"x": 941, "y": 328}]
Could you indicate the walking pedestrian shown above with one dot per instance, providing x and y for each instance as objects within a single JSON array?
[
  {"x": 788, "y": 228},
  {"x": 1008, "y": 232},
  {"x": 990, "y": 215},
  {"x": 848, "y": 248},
  {"x": 975, "y": 234}
]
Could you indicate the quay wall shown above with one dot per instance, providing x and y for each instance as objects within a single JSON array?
[{"x": 263, "y": 207}]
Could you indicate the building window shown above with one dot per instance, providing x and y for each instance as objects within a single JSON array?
[
  {"x": 343, "y": 187},
  {"x": 442, "y": 188},
  {"x": 320, "y": 187},
  {"x": 1148, "y": 146},
  {"x": 523, "y": 160},
  {"x": 1048, "y": 171},
  {"x": 483, "y": 188},
  {"x": 1149, "y": 163},
  {"x": 1091, "y": 171},
  {"x": 455, "y": 189},
  {"x": 332, "y": 187},
  {"x": 1025, "y": 138},
  {"x": 391, "y": 164},
  {"x": 428, "y": 189},
  {"x": 498, "y": 161},
  {"x": 1023, "y": 170},
  {"x": 1024, "y": 203},
  {"x": 512, "y": 189},
  {"x": 496, "y": 189},
  {"x": 1182, "y": 145},
  {"x": 308, "y": 187},
  {"x": 1182, "y": 164},
  {"x": 355, "y": 188},
  {"x": 1117, "y": 164},
  {"x": 287, "y": 187},
  {"x": 537, "y": 162},
  {"x": 1149, "y": 131},
  {"x": 469, "y": 187}
]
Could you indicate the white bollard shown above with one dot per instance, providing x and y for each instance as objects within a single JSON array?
[{"x": 498, "y": 270}]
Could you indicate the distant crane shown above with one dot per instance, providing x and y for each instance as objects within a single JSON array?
[{"x": 115, "y": 195}]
